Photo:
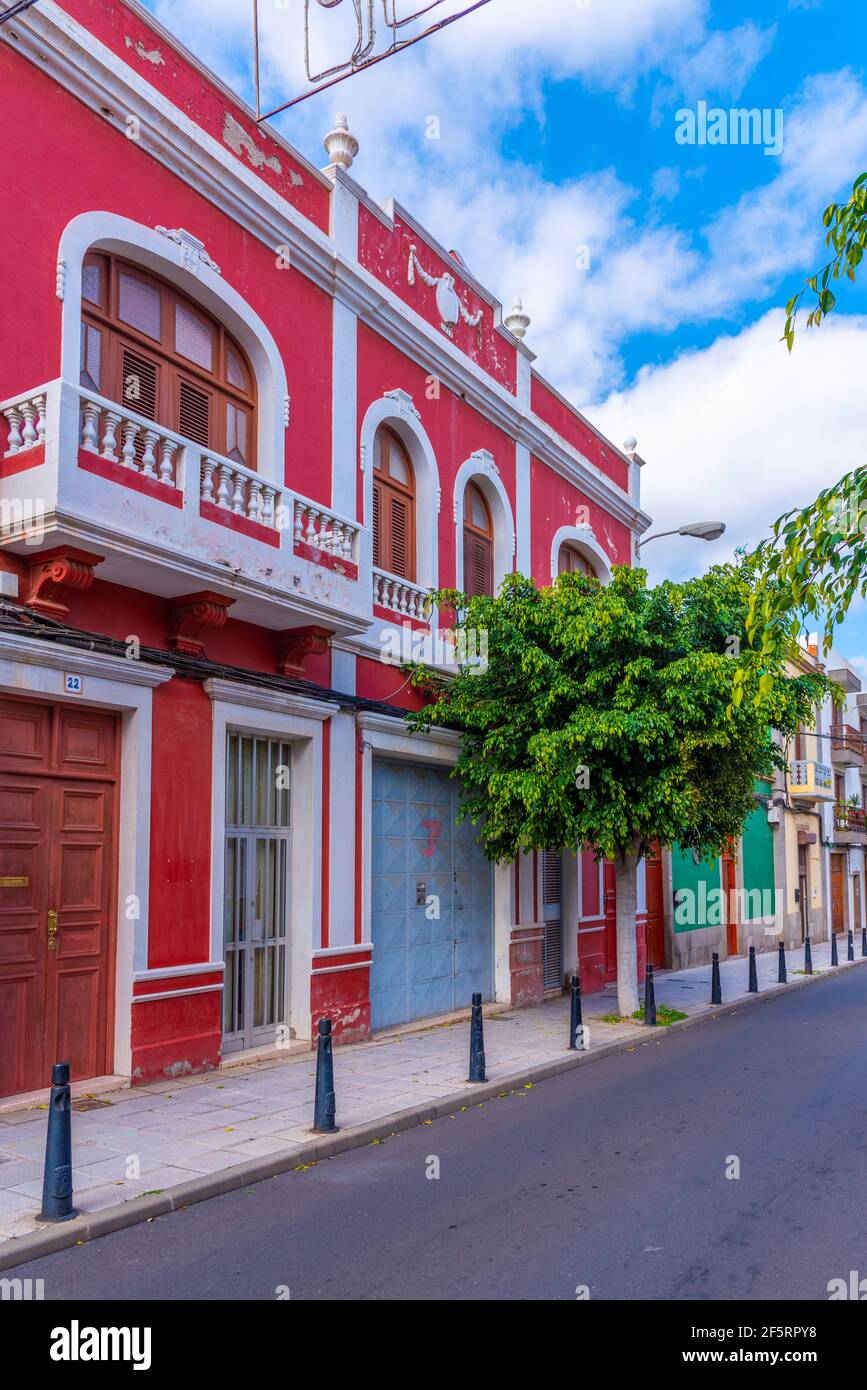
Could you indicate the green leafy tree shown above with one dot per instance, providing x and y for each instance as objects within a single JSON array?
[
  {"x": 846, "y": 236},
  {"x": 613, "y": 717},
  {"x": 815, "y": 561}
]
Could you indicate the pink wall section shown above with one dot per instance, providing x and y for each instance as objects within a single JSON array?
[
  {"x": 454, "y": 428},
  {"x": 569, "y": 424},
  {"x": 556, "y": 503},
  {"x": 200, "y": 99},
  {"x": 386, "y": 255},
  {"x": 51, "y": 134}
]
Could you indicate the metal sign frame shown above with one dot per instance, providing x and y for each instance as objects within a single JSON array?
[{"x": 361, "y": 58}]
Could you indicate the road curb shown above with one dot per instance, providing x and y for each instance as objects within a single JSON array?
[{"x": 86, "y": 1227}]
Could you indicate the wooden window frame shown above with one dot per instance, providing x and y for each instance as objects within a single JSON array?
[
  {"x": 386, "y": 489},
  {"x": 474, "y": 533},
  {"x": 583, "y": 565},
  {"x": 172, "y": 366}
]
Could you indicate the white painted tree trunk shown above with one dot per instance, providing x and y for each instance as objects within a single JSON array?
[{"x": 625, "y": 873}]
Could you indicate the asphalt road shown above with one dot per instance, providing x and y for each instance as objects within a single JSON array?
[{"x": 612, "y": 1176}]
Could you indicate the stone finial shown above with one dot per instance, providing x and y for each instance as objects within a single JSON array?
[
  {"x": 340, "y": 144},
  {"x": 517, "y": 321},
  {"x": 630, "y": 445}
]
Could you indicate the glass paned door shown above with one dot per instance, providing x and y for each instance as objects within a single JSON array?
[{"x": 256, "y": 889}]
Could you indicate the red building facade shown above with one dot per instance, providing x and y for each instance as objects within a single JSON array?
[{"x": 249, "y": 418}]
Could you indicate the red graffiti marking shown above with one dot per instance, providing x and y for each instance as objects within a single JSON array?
[{"x": 434, "y": 829}]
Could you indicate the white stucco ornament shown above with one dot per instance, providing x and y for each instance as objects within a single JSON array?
[
  {"x": 449, "y": 306},
  {"x": 193, "y": 253},
  {"x": 517, "y": 321},
  {"x": 340, "y": 144}
]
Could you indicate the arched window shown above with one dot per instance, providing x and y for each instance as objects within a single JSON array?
[
  {"x": 478, "y": 543},
  {"x": 148, "y": 347},
  {"x": 393, "y": 506},
  {"x": 571, "y": 561}
]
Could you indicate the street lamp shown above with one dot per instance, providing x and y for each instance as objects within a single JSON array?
[{"x": 703, "y": 530}]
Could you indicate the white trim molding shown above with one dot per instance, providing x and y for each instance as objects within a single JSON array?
[
  {"x": 481, "y": 469},
  {"x": 583, "y": 538},
  {"x": 180, "y": 258}
]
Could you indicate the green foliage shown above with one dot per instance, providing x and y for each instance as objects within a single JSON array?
[
  {"x": 664, "y": 1015},
  {"x": 846, "y": 234},
  {"x": 812, "y": 566},
  {"x": 646, "y": 689}
]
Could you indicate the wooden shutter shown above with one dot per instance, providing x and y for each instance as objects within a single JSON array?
[
  {"x": 377, "y": 523},
  {"x": 398, "y": 537},
  {"x": 193, "y": 413},
  {"x": 139, "y": 383},
  {"x": 477, "y": 564}
]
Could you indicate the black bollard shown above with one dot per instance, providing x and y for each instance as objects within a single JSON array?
[
  {"x": 834, "y": 957},
  {"x": 57, "y": 1182},
  {"x": 324, "y": 1105},
  {"x": 477, "y": 1042},
  {"x": 782, "y": 977},
  {"x": 753, "y": 987},
  {"x": 808, "y": 957},
  {"x": 715, "y": 986},
  {"x": 864, "y": 941},
  {"x": 576, "y": 1027},
  {"x": 649, "y": 998},
  {"x": 850, "y": 952}
]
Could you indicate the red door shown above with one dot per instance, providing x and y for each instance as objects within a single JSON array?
[
  {"x": 58, "y": 786},
  {"x": 655, "y": 928}
]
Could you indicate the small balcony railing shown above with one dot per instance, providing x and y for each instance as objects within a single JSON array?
[
  {"x": 400, "y": 596},
  {"x": 847, "y": 746},
  {"x": 850, "y": 825}
]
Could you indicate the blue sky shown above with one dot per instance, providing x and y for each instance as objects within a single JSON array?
[{"x": 557, "y": 132}]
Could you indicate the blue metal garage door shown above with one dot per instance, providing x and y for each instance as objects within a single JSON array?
[{"x": 432, "y": 899}]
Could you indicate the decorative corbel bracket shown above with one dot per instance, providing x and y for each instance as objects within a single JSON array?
[
  {"x": 53, "y": 573},
  {"x": 190, "y": 615},
  {"x": 297, "y": 643}
]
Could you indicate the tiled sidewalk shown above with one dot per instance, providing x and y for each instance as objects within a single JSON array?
[{"x": 154, "y": 1137}]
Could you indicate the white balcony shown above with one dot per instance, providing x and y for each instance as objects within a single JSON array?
[
  {"x": 810, "y": 781},
  {"x": 169, "y": 517},
  {"x": 400, "y": 597}
]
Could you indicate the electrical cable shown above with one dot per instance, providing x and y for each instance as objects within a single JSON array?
[{"x": 16, "y": 9}]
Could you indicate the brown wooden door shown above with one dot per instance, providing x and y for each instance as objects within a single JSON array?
[
  {"x": 58, "y": 785},
  {"x": 838, "y": 892},
  {"x": 655, "y": 928}
]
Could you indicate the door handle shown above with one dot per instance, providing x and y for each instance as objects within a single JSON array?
[{"x": 52, "y": 929}]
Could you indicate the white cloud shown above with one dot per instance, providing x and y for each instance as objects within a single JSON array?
[{"x": 742, "y": 432}]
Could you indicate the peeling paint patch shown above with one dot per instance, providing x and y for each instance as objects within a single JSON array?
[
  {"x": 178, "y": 1069},
  {"x": 296, "y": 179},
  {"x": 239, "y": 142},
  {"x": 148, "y": 55}
]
